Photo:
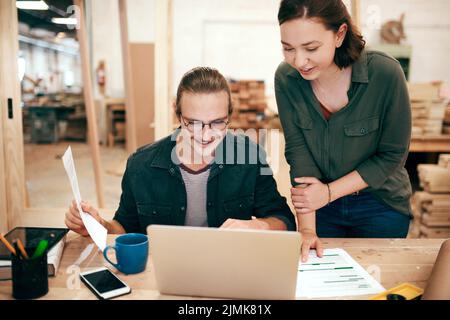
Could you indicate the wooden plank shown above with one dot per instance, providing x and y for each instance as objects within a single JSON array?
[
  {"x": 3, "y": 194},
  {"x": 173, "y": 121},
  {"x": 356, "y": 13},
  {"x": 12, "y": 172},
  {"x": 433, "y": 221},
  {"x": 433, "y": 178},
  {"x": 432, "y": 143},
  {"x": 163, "y": 108},
  {"x": 3, "y": 116},
  {"x": 430, "y": 207},
  {"x": 143, "y": 71},
  {"x": 131, "y": 140},
  {"x": 441, "y": 233},
  {"x": 423, "y": 91},
  {"x": 444, "y": 160},
  {"x": 90, "y": 105}
]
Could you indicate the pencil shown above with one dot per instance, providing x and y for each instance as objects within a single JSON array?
[
  {"x": 7, "y": 244},
  {"x": 22, "y": 249}
]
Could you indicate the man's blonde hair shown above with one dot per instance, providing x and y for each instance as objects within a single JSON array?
[{"x": 202, "y": 80}]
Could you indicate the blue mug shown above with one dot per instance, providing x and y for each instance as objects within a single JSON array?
[{"x": 131, "y": 253}]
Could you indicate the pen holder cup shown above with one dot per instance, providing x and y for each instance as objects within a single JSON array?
[{"x": 29, "y": 276}]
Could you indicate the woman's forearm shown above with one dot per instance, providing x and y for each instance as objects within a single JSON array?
[
  {"x": 346, "y": 185},
  {"x": 306, "y": 221}
]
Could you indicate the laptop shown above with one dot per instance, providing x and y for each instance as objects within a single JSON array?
[{"x": 225, "y": 263}]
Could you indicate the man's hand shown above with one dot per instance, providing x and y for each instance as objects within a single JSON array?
[
  {"x": 73, "y": 219},
  {"x": 311, "y": 195},
  {"x": 258, "y": 224},
  {"x": 310, "y": 241}
]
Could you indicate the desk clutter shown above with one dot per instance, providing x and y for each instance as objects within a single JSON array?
[
  {"x": 431, "y": 207},
  {"x": 39, "y": 240},
  {"x": 28, "y": 256}
]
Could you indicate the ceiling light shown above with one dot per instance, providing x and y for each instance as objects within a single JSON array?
[{"x": 32, "y": 5}]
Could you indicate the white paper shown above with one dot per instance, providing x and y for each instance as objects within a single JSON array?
[
  {"x": 336, "y": 274},
  {"x": 97, "y": 232}
]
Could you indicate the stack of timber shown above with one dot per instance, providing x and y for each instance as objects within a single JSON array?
[
  {"x": 428, "y": 108},
  {"x": 431, "y": 207},
  {"x": 249, "y": 104}
]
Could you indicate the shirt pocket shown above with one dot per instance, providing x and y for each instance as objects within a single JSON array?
[
  {"x": 239, "y": 207},
  {"x": 154, "y": 213},
  {"x": 362, "y": 128},
  {"x": 360, "y": 140}
]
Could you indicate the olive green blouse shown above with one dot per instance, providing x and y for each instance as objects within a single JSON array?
[{"x": 371, "y": 134}]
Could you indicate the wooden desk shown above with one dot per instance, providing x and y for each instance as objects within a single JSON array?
[
  {"x": 439, "y": 143},
  {"x": 399, "y": 260}
]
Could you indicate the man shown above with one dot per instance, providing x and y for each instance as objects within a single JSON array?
[{"x": 200, "y": 175}]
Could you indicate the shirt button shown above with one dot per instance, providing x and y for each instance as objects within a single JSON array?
[
  {"x": 182, "y": 208},
  {"x": 209, "y": 204},
  {"x": 363, "y": 130},
  {"x": 154, "y": 213}
]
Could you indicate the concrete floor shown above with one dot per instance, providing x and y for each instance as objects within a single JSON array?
[{"x": 47, "y": 182}]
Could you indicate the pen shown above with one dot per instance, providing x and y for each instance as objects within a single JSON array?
[
  {"x": 7, "y": 244},
  {"x": 40, "y": 249},
  {"x": 22, "y": 249}
]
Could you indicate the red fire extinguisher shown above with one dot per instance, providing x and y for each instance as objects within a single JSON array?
[{"x": 101, "y": 75}]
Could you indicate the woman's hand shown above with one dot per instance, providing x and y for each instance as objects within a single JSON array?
[
  {"x": 310, "y": 198},
  {"x": 310, "y": 240}
]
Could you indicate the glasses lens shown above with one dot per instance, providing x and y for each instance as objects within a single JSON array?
[{"x": 218, "y": 125}]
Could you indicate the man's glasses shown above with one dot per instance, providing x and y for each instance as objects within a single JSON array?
[{"x": 191, "y": 125}]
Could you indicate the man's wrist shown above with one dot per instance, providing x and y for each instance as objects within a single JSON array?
[
  {"x": 273, "y": 223},
  {"x": 106, "y": 224}
]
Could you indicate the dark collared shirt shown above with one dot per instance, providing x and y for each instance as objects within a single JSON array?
[
  {"x": 153, "y": 190},
  {"x": 371, "y": 134}
]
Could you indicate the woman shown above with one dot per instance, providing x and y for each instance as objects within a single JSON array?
[{"x": 346, "y": 117}]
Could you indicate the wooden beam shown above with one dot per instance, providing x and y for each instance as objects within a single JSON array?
[
  {"x": 130, "y": 107},
  {"x": 89, "y": 103},
  {"x": 170, "y": 62},
  {"x": 356, "y": 13},
  {"x": 3, "y": 197},
  {"x": 12, "y": 184},
  {"x": 163, "y": 109},
  {"x": 3, "y": 115}
]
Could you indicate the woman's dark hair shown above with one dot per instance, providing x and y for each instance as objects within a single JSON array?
[
  {"x": 332, "y": 13},
  {"x": 202, "y": 80}
]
